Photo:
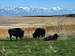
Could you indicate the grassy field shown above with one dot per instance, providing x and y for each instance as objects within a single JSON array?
[
  {"x": 64, "y": 46},
  {"x": 29, "y": 24},
  {"x": 37, "y": 47}
]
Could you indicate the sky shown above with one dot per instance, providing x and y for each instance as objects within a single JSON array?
[{"x": 37, "y": 3}]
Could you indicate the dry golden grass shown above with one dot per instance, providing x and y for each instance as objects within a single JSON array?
[{"x": 29, "y": 24}]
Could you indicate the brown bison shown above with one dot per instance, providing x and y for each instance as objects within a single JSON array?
[
  {"x": 17, "y": 32},
  {"x": 51, "y": 37},
  {"x": 39, "y": 32}
]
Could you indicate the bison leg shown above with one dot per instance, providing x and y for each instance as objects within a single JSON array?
[
  {"x": 16, "y": 37},
  {"x": 10, "y": 37},
  {"x": 38, "y": 36},
  {"x": 20, "y": 38},
  {"x": 43, "y": 35}
]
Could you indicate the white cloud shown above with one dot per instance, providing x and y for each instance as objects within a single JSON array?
[
  {"x": 57, "y": 8},
  {"x": 54, "y": 8},
  {"x": 25, "y": 8}
]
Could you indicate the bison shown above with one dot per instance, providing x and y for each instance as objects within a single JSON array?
[
  {"x": 51, "y": 37},
  {"x": 17, "y": 32},
  {"x": 39, "y": 32}
]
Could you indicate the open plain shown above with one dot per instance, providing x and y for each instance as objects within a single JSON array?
[
  {"x": 58, "y": 24},
  {"x": 64, "y": 26}
]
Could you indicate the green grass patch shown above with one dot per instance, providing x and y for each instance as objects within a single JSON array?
[{"x": 35, "y": 47}]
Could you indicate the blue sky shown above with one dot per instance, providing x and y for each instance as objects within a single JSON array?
[{"x": 37, "y": 3}]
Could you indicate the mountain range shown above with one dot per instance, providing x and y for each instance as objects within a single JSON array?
[{"x": 27, "y": 11}]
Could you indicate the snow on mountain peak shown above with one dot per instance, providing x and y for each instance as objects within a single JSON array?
[
  {"x": 57, "y": 8},
  {"x": 25, "y": 8},
  {"x": 28, "y": 11}
]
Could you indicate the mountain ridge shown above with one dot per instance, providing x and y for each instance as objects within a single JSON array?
[{"x": 28, "y": 11}]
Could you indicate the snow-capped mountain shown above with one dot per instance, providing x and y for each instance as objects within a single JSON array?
[{"x": 27, "y": 11}]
